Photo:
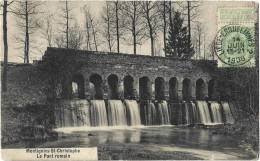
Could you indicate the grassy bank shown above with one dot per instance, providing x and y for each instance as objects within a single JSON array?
[
  {"x": 24, "y": 102},
  {"x": 245, "y": 128}
]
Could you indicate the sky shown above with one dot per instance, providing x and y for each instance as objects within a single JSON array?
[{"x": 208, "y": 18}]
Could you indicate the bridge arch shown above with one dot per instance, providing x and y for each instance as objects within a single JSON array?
[
  {"x": 113, "y": 80},
  {"x": 200, "y": 89},
  {"x": 97, "y": 81},
  {"x": 159, "y": 88},
  {"x": 186, "y": 89},
  {"x": 129, "y": 91},
  {"x": 144, "y": 88},
  {"x": 173, "y": 88},
  {"x": 77, "y": 84}
]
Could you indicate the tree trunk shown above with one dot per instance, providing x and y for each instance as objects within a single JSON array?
[
  {"x": 4, "y": 76},
  {"x": 117, "y": 27},
  {"x": 94, "y": 34},
  {"x": 199, "y": 47},
  {"x": 189, "y": 28},
  {"x": 26, "y": 33},
  {"x": 170, "y": 12},
  {"x": 67, "y": 25},
  {"x": 134, "y": 32},
  {"x": 164, "y": 26},
  {"x": 88, "y": 38},
  {"x": 150, "y": 29},
  {"x": 108, "y": 32},
  {"x": 204, "y": 48}
]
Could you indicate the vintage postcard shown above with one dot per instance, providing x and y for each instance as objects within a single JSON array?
[{"x": 129, "y": 80}]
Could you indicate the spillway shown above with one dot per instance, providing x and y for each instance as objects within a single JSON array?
[
  {"x": 216, "y": 112},
  {"x": 98, "y": 114},
  {"x": 116, "y": 113},
  {"x": 228, "y": 115},
  {"x": 132, "y": 113},
  {"x": 204, "y": 112}
]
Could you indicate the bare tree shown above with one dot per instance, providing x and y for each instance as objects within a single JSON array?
[
  {"x": 27, "y": 12},
  {"x": 200, "y": 32},
  {"x": 4, "y": 74},
  {"x": 91, "y": 26},
  {"x": 151, "y": 15},
  {"x": 108, "y": 30},
  {"x": 133, "y": 24},
  {"x": 64, "y": 22},
  {"x": 46, "y": 28},
  {"x": 75, "y": 37},
  {"x": 117, "y": 25},
  {"x": 191, "y": 11}
]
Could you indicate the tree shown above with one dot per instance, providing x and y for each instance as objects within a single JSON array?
[
  {"x": 200, "y": 30},
  {"x": 75, "y": 37},
  {"x": 191, "y": 11},
  {"x": 4, "y": 75},
  {"x": 92, "y": 30},
  {"x": 65, "y": 23},
  {"x": 133, "y": 24},
  {"x": 108, "y": 18},
  {"x": 178, "y": 45},
  {"x": 26, "y": 12},
  {"x": 152, "y": 16},
  {"x": 46, "y": 29},
  {"x": 117, "y": 25}
]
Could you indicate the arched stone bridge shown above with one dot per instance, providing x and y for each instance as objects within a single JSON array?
[{"x": 100, "y": 75}]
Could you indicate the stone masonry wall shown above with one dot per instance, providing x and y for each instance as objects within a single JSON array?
[{"x": 137, "y": 66}]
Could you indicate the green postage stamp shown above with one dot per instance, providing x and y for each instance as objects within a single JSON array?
[{"x": 235, "y": 40}]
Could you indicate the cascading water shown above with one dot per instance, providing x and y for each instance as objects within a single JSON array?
[
  {"x": 163, "y": 114},
  {"x": 204, "y": 112},
  {"x": 147, "y": 112},
  {"x": 132, "y": 113},
  {"x": 195, "y": 118},
  {"x": 98, "y": 114},
  {"x": 116, "y": 113},
  {"x": 216, "y": 112},
  {"x": 175, "y": 113},
  {"x": 186, "y": 113},
  {"x": 72, "y": 113},
  {"x": 228, "y": 115}
]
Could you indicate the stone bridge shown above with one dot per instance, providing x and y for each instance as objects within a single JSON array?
[{"x": 100, "y": 75}]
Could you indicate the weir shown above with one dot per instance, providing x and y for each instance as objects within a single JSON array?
[
  {"x": 130, "y": 113},
  {"x": 133, "y": 90}
]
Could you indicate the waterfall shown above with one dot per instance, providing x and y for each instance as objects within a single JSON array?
[
  {"x": 132, "y": 113},
  {"x": 216, "y": 112},
  {"x": 72, "y": 113},
  {"x": 98, "y": 115},
  {"x": 147, "y": 112},
  {"x": 195, "y": 118},
  {"x": 116, "y": 113},
  {"x": 204, "y": 112},
  {"x": 227, "y": 112},
  {"x": 81, "y": 112},
  {"x": 163, "y": 114},
  {"x": 175, "y": 113},
  {"x": 185, "y": 113}
]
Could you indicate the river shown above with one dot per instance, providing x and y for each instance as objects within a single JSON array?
[{"x": 152, "y": 142}]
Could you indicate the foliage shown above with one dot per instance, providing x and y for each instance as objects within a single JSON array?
[{"x": 178, "y": 44}]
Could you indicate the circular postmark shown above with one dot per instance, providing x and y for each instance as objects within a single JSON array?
[{"x": 235, "y": 45}]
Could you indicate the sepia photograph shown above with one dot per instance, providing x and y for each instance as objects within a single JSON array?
[{"x": 129, "y": 80}]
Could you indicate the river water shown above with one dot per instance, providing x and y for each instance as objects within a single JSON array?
[{"x": 180, "y": 141}]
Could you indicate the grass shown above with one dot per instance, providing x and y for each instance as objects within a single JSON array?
[{"x": 26, "y": 86}]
